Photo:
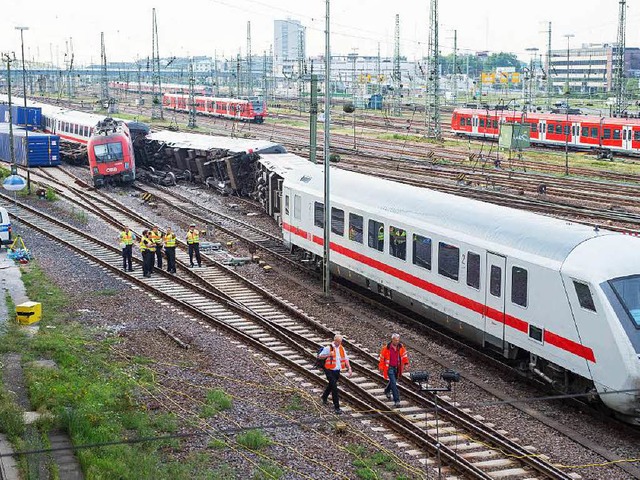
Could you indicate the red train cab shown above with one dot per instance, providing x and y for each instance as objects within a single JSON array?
[{"x": 110, "y": 151}]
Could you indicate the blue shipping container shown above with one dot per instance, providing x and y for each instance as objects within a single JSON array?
[
  {"x": 44, "y": 149},
  {"x": 30, "y": 116}
]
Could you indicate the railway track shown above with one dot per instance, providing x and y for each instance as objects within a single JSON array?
[{"x": 282, "y": 331}]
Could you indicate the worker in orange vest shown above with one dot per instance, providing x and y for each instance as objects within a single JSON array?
[
  {"x": 336, "y": 360},
  {"x": 393, "y": 361}
]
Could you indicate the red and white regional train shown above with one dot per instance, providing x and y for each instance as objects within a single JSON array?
[
  {"x": 252, "y": 109},
  {"x": 560, "y": 300},
  {"x": 166, "y": 87},
  {"x": 586, "y": 132}
]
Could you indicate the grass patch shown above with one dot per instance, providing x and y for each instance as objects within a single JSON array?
[
  {"x": 217, "y": 444},
  {"x": 268, "y": 471},
  {"x": 254, "y": 440},
  {"x": 373, "y": 465},
  {"x": 92, "y": 397},
  {"x": 295, "y": 403},
  {"x": 80, "y": 215},
  {"x": 216, "y": 401},
  {"x": 4, "y": 172},
  {"x": 51, "y": 195}
]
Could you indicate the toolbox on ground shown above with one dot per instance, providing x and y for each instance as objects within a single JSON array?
[{"x": 28, "y": 312}]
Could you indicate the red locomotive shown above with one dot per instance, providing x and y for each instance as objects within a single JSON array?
[
  {"x": 580, "y": 132},
  {"x": 110, "y": 151},
  {"x": 251, "y": 109}
]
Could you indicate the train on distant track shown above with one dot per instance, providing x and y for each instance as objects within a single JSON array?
[
  {"x": 560, "y": 301},
  {"x": 605, "y": 135},
  {"x": 251, "y": 109},
  {"x": 166, "y": 87}
]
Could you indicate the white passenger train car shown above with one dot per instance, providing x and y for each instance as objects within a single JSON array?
[{"x": 559, "y": 299}]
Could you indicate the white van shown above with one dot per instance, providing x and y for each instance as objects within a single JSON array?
[{"x": 5, "y": 227}]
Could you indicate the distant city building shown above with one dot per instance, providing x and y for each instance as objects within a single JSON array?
[
  {"x": 289, "y": 43},
  {"x": 590, "y": 67}
]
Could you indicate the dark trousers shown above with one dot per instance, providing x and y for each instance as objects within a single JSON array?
[
  {"x": 171, "y": 259},
  {"x": 194, "y": 248},
  {"x": 127, "y": 257},
  {"x": 159, "y": 255},
  {"x": 147, "y": 262},
  {"x": 392, "y": 386},
  {"x": 333, "y": 376}
]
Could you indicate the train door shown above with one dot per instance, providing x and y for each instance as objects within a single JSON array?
[
  {"x": 474, "y": 123},
  {"x": 627, "y": 137},
  {"x": 494, "y": 300},
  {"x": 287, "y": 214}
]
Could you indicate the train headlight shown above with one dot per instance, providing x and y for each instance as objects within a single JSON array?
[
  {"x": 95, "y": 170},
  {"x": 126, "y": 165}
]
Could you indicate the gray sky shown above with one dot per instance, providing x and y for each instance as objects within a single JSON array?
[{"x": 198, "y": 27}]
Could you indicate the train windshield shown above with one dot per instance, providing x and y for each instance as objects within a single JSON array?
[
  {"x": 627, "y": 290},
  {"x": 257, "y": 106},
  {"x": 108, "y": 152}
]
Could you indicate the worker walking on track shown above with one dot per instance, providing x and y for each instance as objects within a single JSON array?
[
  {"x": 170, "y": 250},
  {"x": 156, "y": 236},
  {"x": 336, "y": 360},
  {"x": 193, "y": 242},
  {"x": 393, "y": 361},
  {"x": 126, "y": 239},
  {"x": 148, "y": 250}
]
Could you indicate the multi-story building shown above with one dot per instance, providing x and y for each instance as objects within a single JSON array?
[
  {"x": 289, "y": 44},
  {"x": 590, "y": 68}
]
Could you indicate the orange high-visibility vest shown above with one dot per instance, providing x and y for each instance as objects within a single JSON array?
[
  {"x": 155, "y": 237},
  {"x": 330, "y": 363},
  {"x": 385, "y": 357}
]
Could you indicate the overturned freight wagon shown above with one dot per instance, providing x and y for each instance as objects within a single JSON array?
[
  {"x": 224, "y": 163},
  {"x": 27, "y": 117},
  {"x": 32, "y": 149}
]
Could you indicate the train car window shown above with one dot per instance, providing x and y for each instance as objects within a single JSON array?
[
  {"x": 584, "y": 296},
  {"x": 286, "y": 204},
  {"x": 337, "y": 221},
  {"x": 519, "y": 285},
  {"x": 607, "y": 133},
  {"x": 482, "y": 122},
  {"x": 473, "y": 270},
  {"x": 495, "y": 282},
  {"x": 422, "y": 251},
  {"x": 535, "y": 333},
  {"x": 356, "y": 225},
  {"x": 585, "y": 131},
  {"x": 318, "y": 214},
  {"x": 636, "y": 135},
  {"x": 448, "y": 260},
  {"x": 297, "y": 207},
  {"x": 616, "y": 134},
  {"x": 594, "y": 132},
  {"x": 108, "y": 152},
  {"x": 463, "y": 121},
  {"x": 566, "y": 130},
  {"x": 376, "y": 235},
  {"x": 534, "y": 127},
  {"x": 495, "y": 124},
  {"x": 75, "y": 129},
  {"x": 398, "y": 242},
  {"x": 627, "y": 289},
  {"x": 558, "y": 129}
]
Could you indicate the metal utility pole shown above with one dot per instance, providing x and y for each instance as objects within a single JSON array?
[
  {"x": 156, "y": 84},
  {"x": 192, "y": 96},
  {"x": 139, "y": 65},
  {"x": 379, "y": 71},
  {"x": 619, "y": 74},
  {"x": 432, "y": 121},
  {"x": 454, "y": 79},
  {"x": 26, "y": 112},
  {"x": 397, "y": 73},
  {"x": 567, "y": 128},
  {"x": 529, "y": 82},
  {"x": 215, "y": 62},
  {"x": 249, "y": 62},
  {"x": 326, "y": 272},
  {"x": 8, "y": 59},
  {"x": 549, "y": 80},
  {"x": 238, "y": 75},
  {"x": 104, "y": 75},
  {"x": 313, "y": 120}
]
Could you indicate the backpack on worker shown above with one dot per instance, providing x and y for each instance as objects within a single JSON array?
[{"x": 319, "y": 363}]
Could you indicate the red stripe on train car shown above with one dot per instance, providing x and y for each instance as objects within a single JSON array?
[{"x": 509, "y": 320}]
